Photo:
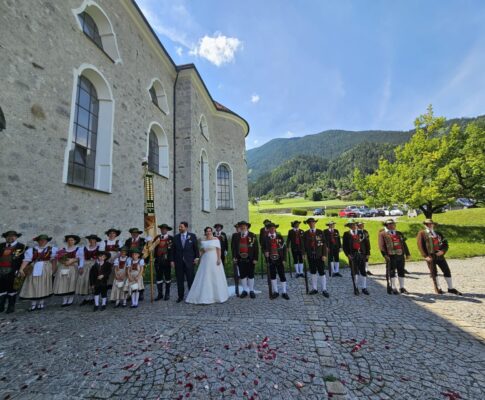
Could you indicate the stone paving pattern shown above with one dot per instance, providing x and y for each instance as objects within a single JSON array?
[{"x": 380, "y": 346}]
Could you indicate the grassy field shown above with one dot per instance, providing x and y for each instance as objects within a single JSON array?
[{"x": 300, "y": 202}]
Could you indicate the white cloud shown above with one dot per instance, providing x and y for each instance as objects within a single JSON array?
[
  {"x": 255, "y": 141},
  {"x": 218, "y": 49},
  {"x": 255, "y": 98},
  {"x": 289, "y": 134},
  {"x": 179, "y": 50}
]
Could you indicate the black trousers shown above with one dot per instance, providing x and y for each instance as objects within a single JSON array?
[
  {"x": 396, "y": 263},
  {"x": 276, "y": 266},
  {"x": 358, "y": 264},
  {"x": 333, "y": 254},
  {"x": 163, "y": 270},
  {"x": 101, "y": 290},
  {"x": 6, "y": 283},
  {"x": 442, "y": 263},
  {"x": 297, "y": 256},
  {"x": 182, "y": 272},
  {"x": 246, "y": 268},
  {"x": 316, "y": 264}
]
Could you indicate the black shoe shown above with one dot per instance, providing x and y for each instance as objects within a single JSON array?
[
  {"x": 406, "y": 271},
  {"x": 337, "y": 274},
  {"x": 243, "y": 294},
  {"x": 65, "y": 305},
  {"x": 159, "y": 292},
  {"x": 394, "y": 291},
  {"x": 453, "y": 291},
  {"x": 313, "y": 291},
  {"x": 179, "y": 300},
  {"x": 389, "y": 290},
  {"x": 167, "y": 292},
  {"x": 403, "y": 291},
  {"x": 123, "y": 305},
  {"x": 11, "y": 304},
  {"x": 103, "y": 308},
  {"x": 3, "y": 299},
  {"x": 252, "y": 294},
  {"x": 325, "y": 294},
  {"x": 95, "y": 308},
  {"x": 117, "y": 305},
  {"x": 369, "y": 273},
  {"x": 275, "y": 296},
  {"x": 366, "y": 292},
  {"x": 285, "y": 296},
  {"x": 83, "y": 303},
  {"x": 356, "y": 291},
  {"x": 142, "y": 296}
]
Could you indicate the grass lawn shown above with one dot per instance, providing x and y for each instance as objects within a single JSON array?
[{"x": 301, "y": 202}]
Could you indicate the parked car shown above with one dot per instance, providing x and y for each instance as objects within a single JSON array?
[
  {"x": 376, "y": 212},
  {"x": 466, "y": 203},
  {"x": 347, "y": 212},
  {"x": 318, "y": 211},
  {"x": 394, "y": 211},
  {"x": 365, "y": 211}
]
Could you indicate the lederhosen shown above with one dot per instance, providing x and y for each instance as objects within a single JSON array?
[
  {"x": 333, "y": 244},
  {"x": 163, "y": 258},
  {"x": 275, "y": 248},
  {"x": 435, "y": 244},
  {"x": 10, "y": 261},
  {"x": 314, "y": 254},
  {"x": 395, "y": 251},
  {"x": 357, "y": 252},
  {"x": 296, "y": 245},
  {"x": 244, "y": 262}
]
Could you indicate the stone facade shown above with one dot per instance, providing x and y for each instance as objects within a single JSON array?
[{"x": 43, "y": 51}]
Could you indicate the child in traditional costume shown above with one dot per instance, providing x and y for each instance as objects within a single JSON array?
[
  {"x": 83, "y": 288},
  {"x": 98, "y": 279},
  {"x": 38, "y": 266},
  {"x": 118, "y": 293},
  {"x": 135, "y": 276}
]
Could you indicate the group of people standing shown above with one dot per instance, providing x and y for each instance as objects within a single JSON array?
[{"x": 89, "y": 271}]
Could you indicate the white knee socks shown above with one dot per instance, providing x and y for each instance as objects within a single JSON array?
[
  {"x": 336, "y": 265},
  {"x": 297, "y": 268},
  {"x": 314, "y": 282},
  {"x": 244, "y": 283},
  {"x": 363, "y": 281},
  {"x": 251, "y": 284},
  {"x": 96, "y": 300},
  {"x": 283, "y": 287},
  {"x": 323, "y": 282},
  {"x": 103, "y": 301},
  {"x": 274, "y": 285},
  {"x": 401, "y": 282},
  {"x": 449, "y": 282},
  {"x": 394, "y": 283}
]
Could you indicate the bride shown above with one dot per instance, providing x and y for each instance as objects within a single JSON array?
[{"x": 210, "y": 285}]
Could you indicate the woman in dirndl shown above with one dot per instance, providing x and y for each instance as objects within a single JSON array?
[
  {"x": 118, "y": 293},
  {"x": 135, "y": 276},
  {"x": 83, "y": 288},
  {"x": 38, "y": 266},
  {"x": 69, "y": 260}
]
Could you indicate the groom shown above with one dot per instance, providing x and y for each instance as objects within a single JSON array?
[{"x": 186, "y": 256}]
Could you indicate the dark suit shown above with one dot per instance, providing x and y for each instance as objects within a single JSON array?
[{"x": 184, "y": 257}]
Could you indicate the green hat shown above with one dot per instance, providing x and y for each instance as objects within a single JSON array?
[
  {"x": 135, "y": 230},
  {"x": 117, "y": 231},
  {"x": 76, "y": 238},
  {"x": 311, "y": 219},
  {"x": 244, "y": 223},
  {"x": 295, "y": 223},
  {"x": 271, "y": 225},
  {"x": 219, "y": 224},
  {"x": 93, "y": 237},
  {"x": 11, "y": 233},
  {"x": 42, "y": 237},
  {"x": 330, "y": 223},
  {"x": 135, "y": 250},
  {"x": 429, "y": 221},
  {"x": 164, "y": 226},
  {"x": 388, "y": 222},
  {"x": 351, "y": 222},
  {"x": 266, "y": 222}
]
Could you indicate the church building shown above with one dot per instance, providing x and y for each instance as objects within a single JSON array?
[{"x": 87, "y": 92}]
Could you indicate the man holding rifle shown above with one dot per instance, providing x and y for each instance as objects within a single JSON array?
[
  {"x": 433, "y": 246},
  {"x": 355, "y": 252},
  {"x": 274, "y": 248},
  {"x": 245, "y": 253},
  {"x": 316, "y": 254}
]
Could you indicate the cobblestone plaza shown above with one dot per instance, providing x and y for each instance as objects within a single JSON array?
[{"x": 380, "y": 346}]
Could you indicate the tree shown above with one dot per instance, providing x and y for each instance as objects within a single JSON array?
[{"x": 420, "y": 175}]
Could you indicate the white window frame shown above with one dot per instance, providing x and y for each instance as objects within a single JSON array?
[
  {"x": 163, "y": 148},
  {"x": 204, "y": 181},
  {"x": 162, "y": 98}
]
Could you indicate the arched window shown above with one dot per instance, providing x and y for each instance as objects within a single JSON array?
[
  {"x": 204, "y": 182},
  {"x": 95, "y": 24},
  {"x": 158, "y": 95},
  {"x": 203, "y": 127},
  {"x": 224, "y": 187},
  {"x": 88, "y": 156},
  {"x": 158, "y": 158}
]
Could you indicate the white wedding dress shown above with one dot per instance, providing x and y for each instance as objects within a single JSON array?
[{"x": 210, "y": 284}]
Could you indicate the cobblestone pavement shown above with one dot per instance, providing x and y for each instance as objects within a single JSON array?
[{"x": 372, "y": 347}]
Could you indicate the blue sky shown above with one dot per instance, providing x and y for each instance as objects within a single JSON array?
[{"x": 293, "y": 68}]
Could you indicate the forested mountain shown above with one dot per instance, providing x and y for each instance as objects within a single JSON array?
[
  {"x": 306, "y": 173},
  {"x": 327, "y": 144}
]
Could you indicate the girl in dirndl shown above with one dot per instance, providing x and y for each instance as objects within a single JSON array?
[
  {"x": 41, "y": 261},
  {"x": 69, "y": 260},
  {"x": 135, "y": 276},
  {"x": 118, "y": 292},
  {"x": 113, "y": 245},
  {"x": 83, "y": 288}
]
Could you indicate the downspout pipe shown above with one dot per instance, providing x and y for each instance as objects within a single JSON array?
[{"x": 174, "y": 151}]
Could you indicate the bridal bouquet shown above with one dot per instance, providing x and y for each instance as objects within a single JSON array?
[{"x": 62, "y": 256}]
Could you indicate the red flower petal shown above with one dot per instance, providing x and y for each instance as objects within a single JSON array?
[{"x": 255, "y": 382}]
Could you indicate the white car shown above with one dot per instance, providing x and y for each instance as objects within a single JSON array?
[{"x": 394, "y": 212}]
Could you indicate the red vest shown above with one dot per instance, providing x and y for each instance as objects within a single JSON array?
[
  {"x": 44, "y": 255},
  {"x": 90, "y": 254},
  {"x": 356, "y": 242},
  {"x": 6, "y": 257},
  {"x": 436, "y": 243},
  {"x": 244, "y": 246},
  {"x": 162, "y": 248},
  {"x": 112, "y": 247}
]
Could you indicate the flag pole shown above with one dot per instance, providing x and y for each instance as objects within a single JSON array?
[{"x": 149, "y": 218}]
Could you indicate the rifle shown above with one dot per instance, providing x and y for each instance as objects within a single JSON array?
[
  {"x": 388, "y": 277},
  {"x": 235, "y": 271},
  {"x": 305, "y": 273},
  {"x": 270, "y": 288},
  {"x": 289, "y": 262},
  {"x": 353, "y": 272}
]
